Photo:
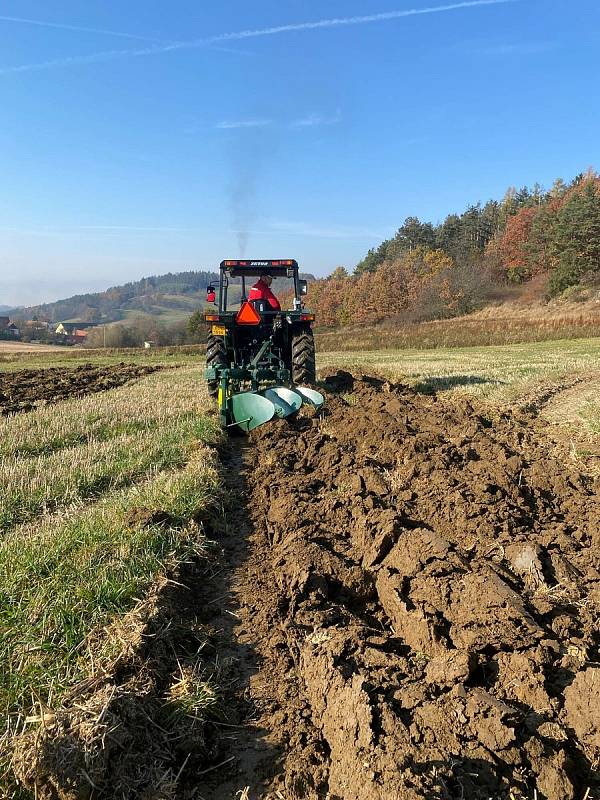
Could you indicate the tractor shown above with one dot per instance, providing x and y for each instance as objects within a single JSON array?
[{"x": 260, "y": 363}]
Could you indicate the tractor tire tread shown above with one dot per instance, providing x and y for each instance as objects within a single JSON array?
[
  {"x": 216, "y": 354},
  {"x": 303, "y": 358}
]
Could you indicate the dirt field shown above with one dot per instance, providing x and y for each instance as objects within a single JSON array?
[
  {"x": 403, "y": 602},
  {"x": 26, "y": 389},
  {"x": 423, "y": 592}
]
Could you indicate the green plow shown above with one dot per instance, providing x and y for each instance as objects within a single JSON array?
[{"x": 248, "y": 410}]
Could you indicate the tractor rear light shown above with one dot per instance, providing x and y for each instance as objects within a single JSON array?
[
  {"x": 248, "y": 315},
  {"x": 211, "y": 317},
  {"x": 307, "y": 317}
]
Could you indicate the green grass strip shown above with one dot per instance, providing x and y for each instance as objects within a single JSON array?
[
  {"x": 33, "y": 486},
  {"x": 65, "y": 577}
]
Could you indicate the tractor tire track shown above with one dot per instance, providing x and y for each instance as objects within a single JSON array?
[
  {"x": 548, "y": 396},
  {"x": 565, "y": 406}
]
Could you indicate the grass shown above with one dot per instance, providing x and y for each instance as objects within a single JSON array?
[
  {"x": 101, "y": 496},
  {"x": 74, "y": 356},
  {"x": 67, "y": 576},
  {"x": 193, "y": 694},
  {"x": 475, "y": 330},
  {"x": 164, "y": 315},
  {"x": 53, "y": 458},
  {"x": 591, "y": 415},
  {"x": 499, "y": 373}
]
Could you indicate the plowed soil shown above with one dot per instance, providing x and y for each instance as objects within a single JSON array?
[
  {"x": 422, "y": 593},
  {"x": 26, "y": 389}
]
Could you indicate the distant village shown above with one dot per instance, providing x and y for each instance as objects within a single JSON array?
[{"x": 66, "y": 333}]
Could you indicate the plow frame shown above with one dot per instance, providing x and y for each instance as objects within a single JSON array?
[{"x": 232, "y": 381}]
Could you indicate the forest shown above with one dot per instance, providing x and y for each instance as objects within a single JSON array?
[{"x": 428, "y": 271}]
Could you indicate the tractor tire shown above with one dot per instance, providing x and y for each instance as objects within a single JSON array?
[
  {"x": 216, "y": 356},
  {"x": 303, "y": 358}
]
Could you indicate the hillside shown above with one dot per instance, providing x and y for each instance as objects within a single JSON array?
[{"x": 172, "y": 296}]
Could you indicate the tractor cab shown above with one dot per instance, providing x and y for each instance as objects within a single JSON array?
[
  {"x": 236, "y": 279},
  {"x": 258, "y": 356}
]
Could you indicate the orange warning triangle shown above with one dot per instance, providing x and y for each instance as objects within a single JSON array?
[{"x": 248, "y": 315}]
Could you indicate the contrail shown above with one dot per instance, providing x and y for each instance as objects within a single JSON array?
[
  {"x": 62, "y": 26},
  {"x": 336, "y": 22},
  {"x": 243, "y": 123}
]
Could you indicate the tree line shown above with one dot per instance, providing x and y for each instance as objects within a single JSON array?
[
  {"x": 428, "y": 271},
  {"x": 145, "y": 329}
]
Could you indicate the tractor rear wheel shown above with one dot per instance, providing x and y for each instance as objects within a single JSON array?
[
  {"x": 216, "y": 356},
  {"x": 303, "y": 357}
]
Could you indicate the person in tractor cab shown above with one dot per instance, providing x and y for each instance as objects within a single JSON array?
[{"x": 262, "y": 291}]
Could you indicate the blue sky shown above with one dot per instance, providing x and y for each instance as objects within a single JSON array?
[{"x": 150, "y": 136}]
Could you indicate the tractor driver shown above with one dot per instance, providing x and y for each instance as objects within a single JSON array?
[{"x": 261, "y": 291}]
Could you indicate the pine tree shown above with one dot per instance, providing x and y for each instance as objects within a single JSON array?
[
  {"x": 448, "y": 233},
  {"x": 509, "y": 205},
  {"x": 374, "y": 258},
  {"x": 537, "y": 194},
  {"x": 415, "y": 233},
  {"x": 559, "y": 189},
  {"x": 575, "y": 245}
]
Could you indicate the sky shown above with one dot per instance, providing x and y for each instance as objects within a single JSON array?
[{"x": 149, "y": 136}]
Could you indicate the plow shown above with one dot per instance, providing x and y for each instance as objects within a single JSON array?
[{"x": 260, "y": 360}]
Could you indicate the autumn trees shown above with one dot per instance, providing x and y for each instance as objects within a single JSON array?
[
  {"x": 418, "y": 284},
  {"x": 430, "y": 271},
  {"x": 463, "y": 236},
  {"x": 558, "y": 234},
  {"x": 511, "y": 246}
]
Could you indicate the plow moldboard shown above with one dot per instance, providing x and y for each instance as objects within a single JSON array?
[
  {"x": 286, "y": 401},
  {"x": 249, "y": 410}
]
